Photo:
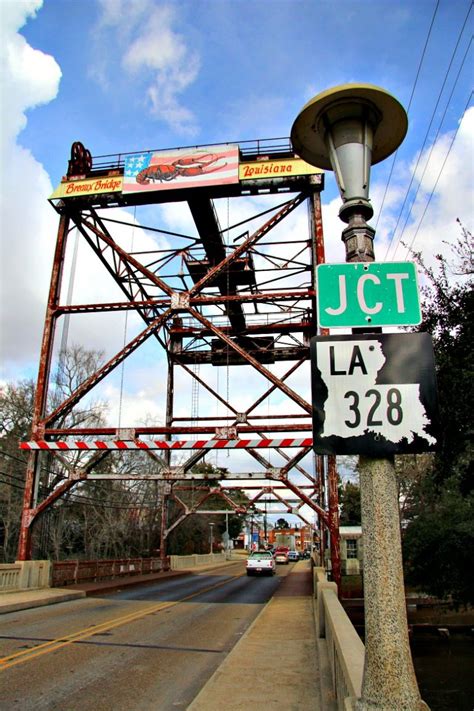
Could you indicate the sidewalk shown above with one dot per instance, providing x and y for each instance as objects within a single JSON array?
[{"x": 275, "y": 665}]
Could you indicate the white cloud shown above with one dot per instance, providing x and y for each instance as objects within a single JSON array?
[
  {"x": 28, "y": 224},
  {"x": 153, "y": 54},
  {"x": 440, "y": 193},
  {"x": 445, "y": 176}
]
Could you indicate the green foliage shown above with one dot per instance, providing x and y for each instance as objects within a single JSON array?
[
  {"x": 438, "y": 493},
  {"x": 282, "y": 523},
  {"x": 192, "y": 534},
  {"x": 448, "y": 307},
  {"x": 439, "y": 543},
  {"x": 349, "y": 500}
]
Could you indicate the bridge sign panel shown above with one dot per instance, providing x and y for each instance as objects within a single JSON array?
[
  {"x": 374, "y": 394},
  {"x": 367, "y": 294}
]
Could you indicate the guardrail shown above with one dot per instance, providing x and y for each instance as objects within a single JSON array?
[
  {"x": 71, "y": 572},
  {"x": 24, "y": 575},
  {"x": 343, "y": 648}
]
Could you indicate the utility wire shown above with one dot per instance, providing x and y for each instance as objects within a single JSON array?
[
  {"x": 420, "y": 182},
  {"x": 72, "y": 497},
  {"x": 408, "y": 109},
  {"x": 437, "y": 179},
  {"x": 453, "y": 54}
]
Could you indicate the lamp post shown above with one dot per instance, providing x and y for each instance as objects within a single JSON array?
[
  {"x": 211, "y": 526},
  {"x": 347, "y": 129}
]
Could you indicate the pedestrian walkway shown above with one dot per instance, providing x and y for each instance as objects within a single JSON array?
[{"x": 275, "y": 665}]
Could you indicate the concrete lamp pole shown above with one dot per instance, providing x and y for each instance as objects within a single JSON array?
[
  {"x": 347, "y": 129},
  {"x": 211, "y": 526}
]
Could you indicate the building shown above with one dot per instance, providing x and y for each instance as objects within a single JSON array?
[{"x": 351, "y": 549}]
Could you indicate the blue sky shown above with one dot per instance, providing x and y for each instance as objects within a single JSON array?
[{"x": 132, "y": 75}]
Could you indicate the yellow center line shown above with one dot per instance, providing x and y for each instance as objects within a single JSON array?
[{"x": 55, "y": 644}]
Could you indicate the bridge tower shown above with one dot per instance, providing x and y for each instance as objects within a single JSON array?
[{"x": 231, "y": 300}]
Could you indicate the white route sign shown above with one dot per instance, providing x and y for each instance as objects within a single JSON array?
[{"x": 373, "y": 394}]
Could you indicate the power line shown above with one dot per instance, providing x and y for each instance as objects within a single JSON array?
[
  {"x": 420, "y": 153},
  {"x": 420, "y": 182},
  {"x": 408, "y": 109},
  {"x": 437, "y": 179}
]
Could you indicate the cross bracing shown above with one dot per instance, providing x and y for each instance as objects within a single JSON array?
[{"x": 236, "y": 299}]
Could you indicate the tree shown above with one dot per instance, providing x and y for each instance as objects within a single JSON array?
[
  {"x": 193, "y": 534},
  {"x": 349, "y": 499},
  {"x": 95, "y": 519},
  {"x": 16, "y": 406},
  {"x": 438, "y": 535},
  {"x": 282, "y": 523}
]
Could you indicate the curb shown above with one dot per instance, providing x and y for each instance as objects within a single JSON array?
[
  {"x": 51, "y": 596},
  {"x": 41, "y": 602}
]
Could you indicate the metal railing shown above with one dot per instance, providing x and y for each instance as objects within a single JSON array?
[
  {"x": 71, "y": 572},
  {"x": 249, "y": 150}
]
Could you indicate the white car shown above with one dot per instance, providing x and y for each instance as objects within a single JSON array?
[
  {"x": 281, "y": 556},
  {"x": 260, "y": 563}
]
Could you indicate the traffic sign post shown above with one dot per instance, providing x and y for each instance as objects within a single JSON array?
[
  {"x": 374, "y": 394},
  {"x": 359, "y": 294}
]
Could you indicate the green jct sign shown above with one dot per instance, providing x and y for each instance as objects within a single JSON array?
[{"x": 368, "y": 294}]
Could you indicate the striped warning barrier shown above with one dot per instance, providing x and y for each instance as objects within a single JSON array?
[{"x": 66, "y": 445}]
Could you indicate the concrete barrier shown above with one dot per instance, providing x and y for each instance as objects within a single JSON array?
[
  {"x": 25, "y": 575},
  {"x": 339, "y": 643},
  {"x": 10, "y": 576},
  {"x": 180, "y": 562}
]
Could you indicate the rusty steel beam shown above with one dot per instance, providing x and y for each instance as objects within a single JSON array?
[
  {"x": 41, "y": 392},
  {"x": 333, "y": 496},
  {"x": 142, "y": 286},
  {"x": 198, "y": 300},
  {"x": 307, "y": 500},
  {"x": 207, "y": 224},
  {"x": 126, "y": 258},
  {"x": 252, "y": 361},
  {"x": 333, "y": 521},
  {"x": 247, "y": 243},
  {"x": 92, "y": 381},
  {"x": 205, "y": 429}
]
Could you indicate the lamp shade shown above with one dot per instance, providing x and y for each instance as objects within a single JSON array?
[{"x": 347, "y": 129}]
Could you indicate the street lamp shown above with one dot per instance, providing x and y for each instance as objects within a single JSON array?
[
  {"x": 347, "y": 129},
  {"x": 211, "y": 526}
]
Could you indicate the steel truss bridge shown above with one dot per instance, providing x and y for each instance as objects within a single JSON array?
[{"x": 237, "y": 300}]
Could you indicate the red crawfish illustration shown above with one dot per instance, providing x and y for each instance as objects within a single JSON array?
[{"x": 186, "y": 166}]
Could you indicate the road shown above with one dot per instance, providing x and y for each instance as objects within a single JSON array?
[{"x": 148, "y": 647}]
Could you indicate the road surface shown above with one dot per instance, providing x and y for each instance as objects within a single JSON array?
[{"x": 148, "y": 647}]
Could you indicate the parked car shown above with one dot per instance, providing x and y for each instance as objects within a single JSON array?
[
  {"x": 260, "y": 563},
  {"x": 281, "y": 556},
  {"x": 293, "y": 556}
]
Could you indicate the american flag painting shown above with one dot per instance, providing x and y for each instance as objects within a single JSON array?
[{"x": 181, "y": 168}]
